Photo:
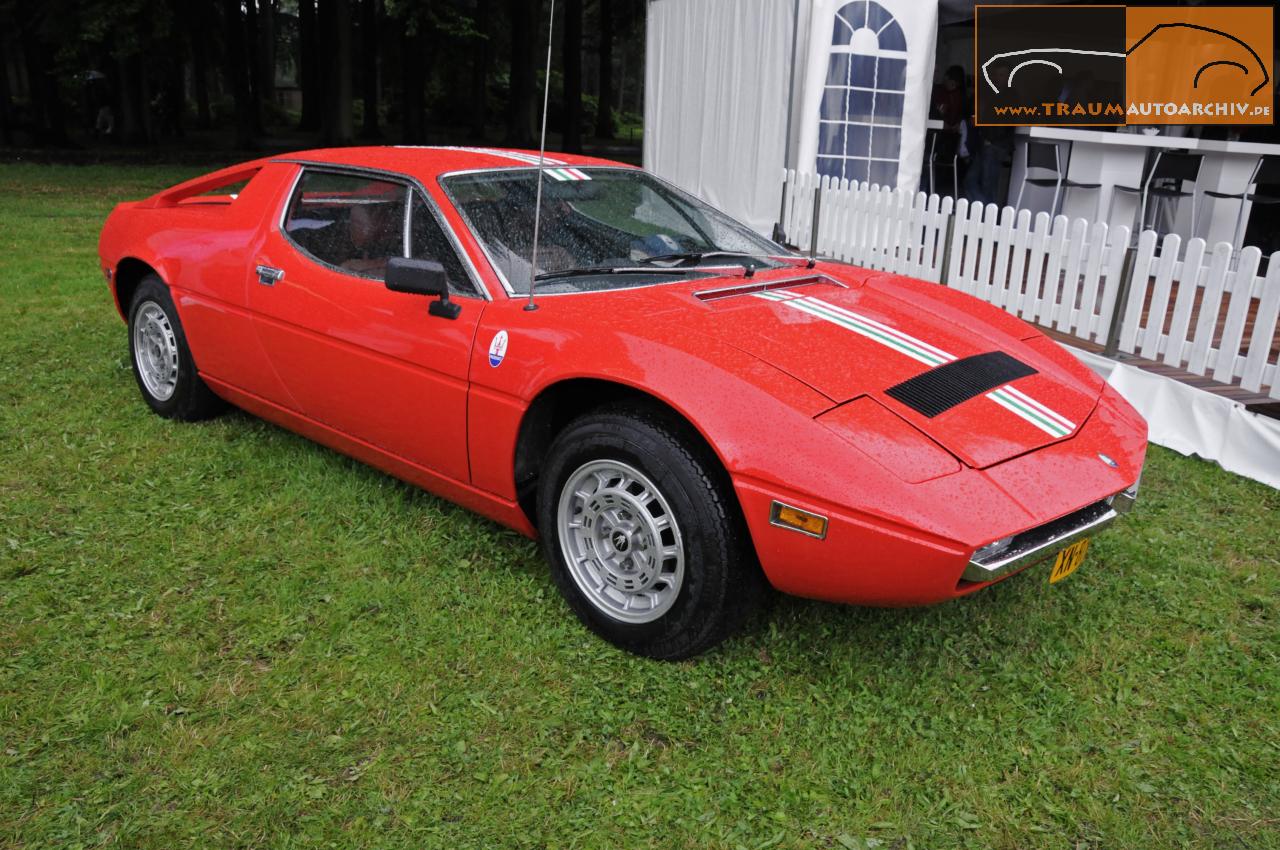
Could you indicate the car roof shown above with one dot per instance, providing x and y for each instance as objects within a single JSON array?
[{"x": 428, "y": 163}]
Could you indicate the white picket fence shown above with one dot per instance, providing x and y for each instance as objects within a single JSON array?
[
  {"x": 1059, "y": 273},
  {"x": 1223, "y": 319}
]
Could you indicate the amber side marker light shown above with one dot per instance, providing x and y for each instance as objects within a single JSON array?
[{"x": 785, "y": 516}]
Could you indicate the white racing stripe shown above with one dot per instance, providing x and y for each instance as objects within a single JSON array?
[
  {"x": 1014, "y": 400},
  {"x": 515, "y": 156}
]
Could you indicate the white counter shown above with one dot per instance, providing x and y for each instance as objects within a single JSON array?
[{"x": 1093, "y": 156}]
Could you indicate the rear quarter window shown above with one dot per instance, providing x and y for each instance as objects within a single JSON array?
[{"x": 352, "y": 223}]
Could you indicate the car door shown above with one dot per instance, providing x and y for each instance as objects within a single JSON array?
[{"x": 353, "y": 355}]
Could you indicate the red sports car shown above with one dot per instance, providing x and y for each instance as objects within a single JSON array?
[{"x": 686, "y": 414}]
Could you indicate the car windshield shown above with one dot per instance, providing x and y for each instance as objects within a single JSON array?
[{"x": 601, "y": 228}]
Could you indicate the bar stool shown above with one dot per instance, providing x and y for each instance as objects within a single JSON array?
[
  {"x": 1265, "y": 176},
  {"x": 1046, "y": 156},
  {"x": 944, "y": 152},
  {"x": 1163, "y": 181}
]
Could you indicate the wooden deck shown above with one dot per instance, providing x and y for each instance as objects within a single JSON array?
[{"x": 1252, "y": 401}]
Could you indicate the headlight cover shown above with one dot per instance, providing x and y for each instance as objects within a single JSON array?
[{"x": 890, "y": 440}]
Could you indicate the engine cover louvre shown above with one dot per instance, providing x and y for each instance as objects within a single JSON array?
[{"x": 943, "y": 387}]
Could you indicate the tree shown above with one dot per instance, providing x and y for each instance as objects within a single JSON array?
[
  {"x": 309, "y": 79},
  {"x": 265, "y": 52},
  {"x": 46, "y": 97},
  {"x": 237, "y": 73},
  {"x": 572, "y": 47},
  {"x": 481, "y": 58},
  {"x": 369, "y": 14},
  {"x": 413, "y": 79},
  {"x": 521, "y": 106},
  {"x": 250, "y": 28},
  {"x": 335, "y": 34},
  {"x": 6, "y": 99},
  {"x": 196, "y": 22},
  {"x": 604, "y": 109}
]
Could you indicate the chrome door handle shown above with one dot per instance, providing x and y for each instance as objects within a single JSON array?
[{"x": 267, "y": 276}]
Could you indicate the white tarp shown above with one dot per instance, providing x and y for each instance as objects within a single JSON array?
[
  {"x": 722, "y": 92},
  {"x": 717, "y": 74}
]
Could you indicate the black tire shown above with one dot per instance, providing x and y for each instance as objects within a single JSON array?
[
  {"x": 190, "y": 399},
  {"x": 722, "y": 582}
]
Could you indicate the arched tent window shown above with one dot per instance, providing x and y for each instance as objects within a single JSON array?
[{"x": 860, "y": 120}]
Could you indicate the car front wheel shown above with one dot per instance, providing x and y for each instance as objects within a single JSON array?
[
  {"x": 644, "y": 537},
  {"x": 162, "y": 363}
]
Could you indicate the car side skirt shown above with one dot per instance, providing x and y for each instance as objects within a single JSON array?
[{"x": 502, "y": 511}]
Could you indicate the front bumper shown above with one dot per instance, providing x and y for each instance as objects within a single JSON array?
[
  {"x": 1043, "y": 541},
  {"x": 914, "y": 544}
]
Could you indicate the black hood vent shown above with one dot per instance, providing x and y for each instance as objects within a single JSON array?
[{"x": 945, "y": 386}]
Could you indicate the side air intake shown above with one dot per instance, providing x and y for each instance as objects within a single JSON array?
[{"x": 945, "y": 386}]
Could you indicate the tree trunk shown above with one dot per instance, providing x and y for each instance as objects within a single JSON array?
[
  {"x": 621, "y": 98},
  {"x": 335, "y": 26},
  {"x": 46, "y": 99},
  {"x": 413, "y": 129},
  {"x": 265, "y": 54},
  {"x": 135, "y": 107},
  {"x": 604, "y": 110},
  {"x": 521, "y": 106},
  {"x": 238, "y": 74},
  {"x": 255, "y": 68},
  {"x": 481, "y": 57},
  {"x": 142, "y": 81},
  {"x": 200, "y": 65},
  {"x": 309, "y": 66},
  {"x": 6, "y": 99},
  {"x": 369, "y": 66},
  {"x": 572, "y": 76}
]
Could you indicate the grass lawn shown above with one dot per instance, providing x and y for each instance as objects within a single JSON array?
[{"x": 222, "y": 635}]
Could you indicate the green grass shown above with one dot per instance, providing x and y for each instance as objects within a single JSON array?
[{"x": 222, "y": 635}]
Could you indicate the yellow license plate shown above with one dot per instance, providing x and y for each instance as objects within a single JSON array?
[{"x": 1069, "y": 560}]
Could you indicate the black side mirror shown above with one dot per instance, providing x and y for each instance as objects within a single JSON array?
[{"x": 422, "y": 277}]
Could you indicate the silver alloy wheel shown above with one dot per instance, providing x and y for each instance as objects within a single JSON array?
[
  {"x": 155, "y": 350},
  {"x": 621, "y": 541}
]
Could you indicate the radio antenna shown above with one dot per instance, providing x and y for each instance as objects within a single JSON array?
[{"x": 542, "y": 157}]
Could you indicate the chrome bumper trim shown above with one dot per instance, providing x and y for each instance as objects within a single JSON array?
[
  {"x": 1043, "y": 541},
  {"x": 1123, "y": 501}
]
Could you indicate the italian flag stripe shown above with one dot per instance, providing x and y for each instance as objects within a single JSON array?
[
  {"x": 868, "y": 330},
  {"x": 905, "y": 337},
  {"x": 1018, "y": 395},
  {"x": 563, "y": 174},
  {"x": 1028, "y": 413},
  {"x": 1012, "y": 399}
]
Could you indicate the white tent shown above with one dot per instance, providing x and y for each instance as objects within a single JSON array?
[{"x": 736, "y": 90}]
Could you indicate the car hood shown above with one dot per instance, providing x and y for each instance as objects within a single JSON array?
[{"x": 848, "y": 333}]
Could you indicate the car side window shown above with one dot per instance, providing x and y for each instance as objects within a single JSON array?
[
  {"x": 428, "y": 242},
  {"x": 350, "y": 222}
]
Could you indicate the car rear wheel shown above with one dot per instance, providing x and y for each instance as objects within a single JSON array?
[
  {"x": 162, "y": 363},
  {"x": 644, "y": 537}
]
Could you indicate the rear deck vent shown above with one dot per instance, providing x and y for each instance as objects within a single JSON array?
[{"x": 945, "y": 386}]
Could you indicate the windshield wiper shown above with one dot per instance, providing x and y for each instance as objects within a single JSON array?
[
  {"x": 695, "y": 256},
  {"x": 592, "y": 271}
]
